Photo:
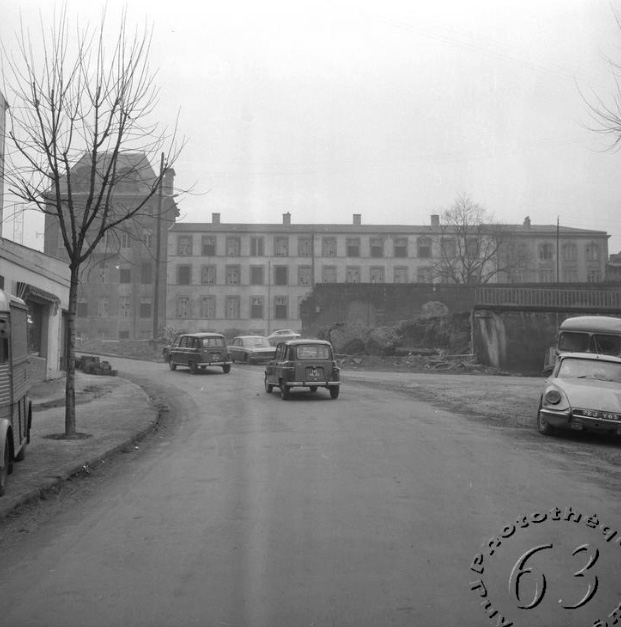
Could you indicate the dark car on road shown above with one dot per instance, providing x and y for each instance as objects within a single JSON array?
[
  {"x": 303, "y": 363},
  {"x": 251, "y": 349},
  {"x": 199, "y": 351}
]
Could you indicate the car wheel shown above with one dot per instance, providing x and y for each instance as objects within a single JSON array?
[
  {"x": 334, "y": 392},
  {"x": 193, "y": 367},
  {"x": 233, "y": 357},
  {"x": 268, "y": 386},
  {"x": 246, "y": 359},
  {"x": 4, "y": 471},
  {"x": 226, "y": 369},
  {"x": 284, "y": 391},
  {"x": 543, "y": 426},
  {"x": 313, "y": 388},
  {"x": 171, "y": 364}
]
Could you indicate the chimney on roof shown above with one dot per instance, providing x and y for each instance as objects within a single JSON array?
[
  {"x": 215, "y": 218},
  {"x": 435, "y": 219},
  {"x": 286, "y": 218},
  {"x": 527, "y": 221},
  {"x": 168, "y": 182},
  {"x": 357, "y": 219}
]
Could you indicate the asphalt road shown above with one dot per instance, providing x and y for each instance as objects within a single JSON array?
[{"x": 374, "y": 509}]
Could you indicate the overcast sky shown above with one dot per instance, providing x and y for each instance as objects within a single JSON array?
[{"x": 387, "y": 109}]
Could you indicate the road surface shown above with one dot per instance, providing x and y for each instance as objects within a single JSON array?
[{"x": 371, "y": 510}]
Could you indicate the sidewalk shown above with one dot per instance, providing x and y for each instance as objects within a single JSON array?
[{"x": 111, "y": 412}]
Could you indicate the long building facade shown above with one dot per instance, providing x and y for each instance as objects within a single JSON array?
[{"x": 253, "y": 277}]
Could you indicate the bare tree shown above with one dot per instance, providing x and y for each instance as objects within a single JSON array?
[
  {"x": 473, "y": 249},
  {"x": 79, "y": 110}
]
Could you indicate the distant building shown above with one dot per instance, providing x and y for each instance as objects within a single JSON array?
[
  {"x": 122, "y": 292},
  {"x": 253, "y": 277}
]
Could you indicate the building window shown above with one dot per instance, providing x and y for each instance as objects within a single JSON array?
[
  {"x": 376, "y": 274},
  {"x": 103, "y": 307},
  {"x": 209, "y": 246},
  {"x": 353, "y": 246},
  {"x": 231, "y": 307},
  {"x": 184, "y": 245},
  {"x": 448, "y": 246},
  {"x": 146, "y": 273},
  {"x": 233, "y": 275},
  {"x": 257, "y": 275},
  {"x": 208, "y": 307},
  {"x": 546, "y": 276},
  {"x": 233, "y": 246},
  {"x": 125, "y": 275},
  {"x": 124, "y": 308},
  {"x": 208, "y": 275},
  {"x": 305, "y": 275},
  {"x": 281, "y": 275},
  {"x": 328, "y": 247},
  {"x": 123, "y": 335},
  {"x": 103, "y": 269},
  {"x": 145, "y": 308},
  {"x": 281, "y": 307},
  {"x": 183, "y": 307},
  {"x": 184, "y": 275},
  {"x": 256, "y": 307},
  {"x": 82, "y": 310},
  {"x": 126, "y": 241},
  {"x": 257, "y": 247},
  {"x": 570, "y": 275},
  {"x": 352, "y": 274},
  {"x": 147, "y": 239},
  {"x": 305, "y": 246},
  {"x": 400, "y": 275},
  {"x": 401, "y": 247},
  {"x": 423, "y": 245},
  {"x": 424, "y": 274},
  {"x": 328, "y": 274},
  {"x": 593, "y": 276},
  {"x": 570, "y": 252},
  {"x": 281, "y": 246},
  {"x": 592, "y": 252},
  {"x": 377, "y": 247},
  {"x": 546, "y": 252}
]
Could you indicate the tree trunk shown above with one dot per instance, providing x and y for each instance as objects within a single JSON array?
[{"x": 70, "y": 422}]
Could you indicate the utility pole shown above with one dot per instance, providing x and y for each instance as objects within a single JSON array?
[
  {"x": 158, "y": 252},
  {"x": 558, "y": 277}
]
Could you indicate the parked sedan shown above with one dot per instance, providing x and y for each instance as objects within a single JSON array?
[
  {"x": 282, "y": 335},
  {"x": 303, "y": 363},
  {"x": 582, "y": 394},
  {"x": 251, "y": 349}
]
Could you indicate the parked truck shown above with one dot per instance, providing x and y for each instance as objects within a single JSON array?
[{"x": 15, "y": 380}]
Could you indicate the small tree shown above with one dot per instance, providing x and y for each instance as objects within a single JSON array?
[
  {"x": 473, "y": 249},
  {"x": 77, "y": 110}
]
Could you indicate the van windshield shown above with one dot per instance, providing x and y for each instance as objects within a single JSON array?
[{"x": 593, "y": 343}]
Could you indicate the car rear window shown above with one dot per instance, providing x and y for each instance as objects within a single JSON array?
[
  {"x": 213, "y": 341},
  {"x": 313, "y": 352}
]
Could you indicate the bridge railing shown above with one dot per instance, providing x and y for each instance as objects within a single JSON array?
[{"x": 544, "y": 297}]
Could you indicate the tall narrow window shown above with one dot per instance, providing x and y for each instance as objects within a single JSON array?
[
  {"x": 124, "y": 308},
  {"x": 328, "y": 274},
  {"x": 376, "y": 274},
  {"x": 281, "y": 307},
  {"x": 305, "y": 275},
  {"x": 592, "y": 252},
  {"x": 352, "y": 274},
  {"x": 305, "y": 246},
  {"x": 281, "y": 275},
  {"x": 233, "y": 246},
  {"x": 146, "y": 273},
  {"x": 184, "y": 275},
  {"x": 377, "y": 247},
  {"x": 328, "y": 247},
  {"x": 208, "y": 307},
  {"x": 353, "y": 246},
  {"x": 256, "y": 275},
  {"x": 400, "y": 274},
  {"x": 184, "y": 245},
  {"x": 208, "y": 275},
  {"x": 103, "y": 307},
  {"x": 233, "y": 274},
  {"x": 281, "y": 246},
  {"x": 423, "y": 245},
  {"x": 256, "y": 307},
  {"x": 183, "y": 307},
  {"x": 401, "y": 247},
  {"x": 125, "y": 275},
  {"x": 231, "y": 307},
  {"x": 257, "y": 247},
  {"x": 209, "y": 246},
  {"x": 546, "y": 252}
]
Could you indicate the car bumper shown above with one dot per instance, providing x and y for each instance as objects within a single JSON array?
[
  {"x": 311, "y": 383},
  {"x": 566, "y": 420},
  {"x": 213, "y": 363}
]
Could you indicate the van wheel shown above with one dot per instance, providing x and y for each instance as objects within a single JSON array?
[
  {"x": 226, "y": 368},
  {"x": 268, "y": 386},
  {"x": 334, "y": 392},
  {"x": 21, "y": 456},
  {"x": 193, "y": 367},
  {"x": 4, "y": 471},
  {"x": 171, "y": 364},
  {"x": 313, "y": 388},
  {"x": 543, "y": 426}
]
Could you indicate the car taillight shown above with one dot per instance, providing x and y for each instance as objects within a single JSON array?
[{"x": 553, "y": 397}]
